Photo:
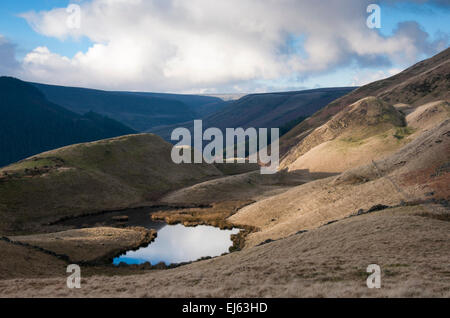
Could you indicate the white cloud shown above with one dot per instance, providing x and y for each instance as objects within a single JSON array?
[
  {"x": 369, "y": 76},
  {"x": 200, "y": 45}
]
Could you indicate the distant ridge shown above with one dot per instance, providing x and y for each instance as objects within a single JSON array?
[
  {"x": 30, "y": 124},
  {"x": 266, "y": 110},
  {"x": 138, "y": 110}
]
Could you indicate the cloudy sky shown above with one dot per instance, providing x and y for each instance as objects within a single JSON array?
[{"x": 216, "y": 46}]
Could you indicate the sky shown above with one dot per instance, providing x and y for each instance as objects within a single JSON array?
[{"x": 220, "y": 46}]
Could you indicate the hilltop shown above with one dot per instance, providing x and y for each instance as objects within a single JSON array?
[
  {"x": 108, "y": 174},
  {"x": 30, "y": 124},
  {"x": 138, "y": 110},
  {"x": 424, "y": 82},
  {"x": 363, "y": 131}
]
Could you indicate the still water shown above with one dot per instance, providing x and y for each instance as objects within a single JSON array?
[{"x": 177, "y": 243}]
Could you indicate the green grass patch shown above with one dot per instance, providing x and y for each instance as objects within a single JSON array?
[
  {"x": 398, "y": 265},
  {"x": 30, "y": 164},
  {"x": 402, "y": 132},
  {"x": 352, "y": 141}
]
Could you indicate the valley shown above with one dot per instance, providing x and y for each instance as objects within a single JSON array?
[{"x": 364, "y": 179}]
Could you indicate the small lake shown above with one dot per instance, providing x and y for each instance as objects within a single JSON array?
[{"x": 178, "y": 243}]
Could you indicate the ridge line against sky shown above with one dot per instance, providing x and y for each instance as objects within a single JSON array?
[{"x": 203, "y": 46}]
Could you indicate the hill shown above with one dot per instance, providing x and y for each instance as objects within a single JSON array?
[
  {"x": 90, "y": 177},
  {"x": 141, "y": 111},
  {"x": 364, "y": 131},
  {"x": 271, "y": 110},
  {"x": 366, "y": 181},
  {"x": 354, "y": 147},
  {"x": 418, "y": 172},
  {"x": 30, "y": 124},
  {"x": 422, "y": 83}
]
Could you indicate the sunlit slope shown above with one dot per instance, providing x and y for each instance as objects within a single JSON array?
[
  {"x": 418, "y": 171},
  {"x": 424, "y": 82},
  {"x": 366, "y": 130}
]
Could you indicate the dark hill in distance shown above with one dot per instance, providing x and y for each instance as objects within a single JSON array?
[
  {"x": 274, "y": 109},
  {"x": 140, "y": 111},
  {"x": 30, "y": 124},
  {"x": 269, "y": 110}
]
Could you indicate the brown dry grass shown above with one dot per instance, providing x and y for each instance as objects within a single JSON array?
[
  {"x": 418, "y": 171},
  {"x": 363, "y": 119},
  {"x": 345, "y": 153},
  {"x": 21, "y": 261},
  {"x": 92, "y": 245},
  {"x": 330, "y": 261},
  {"x": 429, "y": 115},
  {"x": 348, "y": 147},
  {"x": 248, "y": 186},
  {"x": 424, "y": 82},
  {"x": 215, "y": 215}
]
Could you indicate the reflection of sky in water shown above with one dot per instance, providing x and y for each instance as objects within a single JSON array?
[{"x": 177, "y": 243}]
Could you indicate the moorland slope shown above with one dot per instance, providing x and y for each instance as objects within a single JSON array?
[
  {"x": 281, "y": 110},
  {"x": 108, "y": 174},
  {"x": 424, "y": 82},
  {"x": 410, "y": 245}
]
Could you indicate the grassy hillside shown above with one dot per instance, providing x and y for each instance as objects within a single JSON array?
[
  {"x": 424, "y": 82},
  {"x": 352, "y": 149},
  {"x": 30, "y": 124},
  {"x": 202, "y": 105},
  {"x": 249, "y": 186},
  {"x": 365, "y": 130},
  {"x": 418, "y": 172},
  {"x": 109, "y": 174},
  {"x": 272, "y": 110},
  {"x": 141, "y": 111}
]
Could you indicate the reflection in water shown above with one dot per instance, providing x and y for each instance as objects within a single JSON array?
[{"x": 177, "y": 243}]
